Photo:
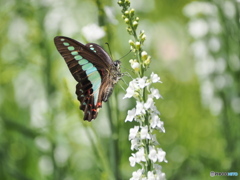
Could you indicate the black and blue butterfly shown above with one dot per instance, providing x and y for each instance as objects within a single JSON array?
[{"x": 93, "y": 69}]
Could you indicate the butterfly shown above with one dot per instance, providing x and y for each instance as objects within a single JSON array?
[{"x": 93, "y": 69}]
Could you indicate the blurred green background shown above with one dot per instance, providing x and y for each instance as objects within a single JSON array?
[{"x": 195, "y": 50}]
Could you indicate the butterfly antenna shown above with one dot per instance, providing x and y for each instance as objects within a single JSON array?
[
  {"x": 126, "y": 54},
  {"x": 110, "y": 52}
]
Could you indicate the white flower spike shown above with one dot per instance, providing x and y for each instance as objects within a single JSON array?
[{"x": 143, "y": 142}]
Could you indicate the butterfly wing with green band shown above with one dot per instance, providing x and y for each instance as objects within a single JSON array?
[{"x": 93, "y": 69}]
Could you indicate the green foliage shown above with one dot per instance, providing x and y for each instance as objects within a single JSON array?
[{"x": 42, "y": 134}]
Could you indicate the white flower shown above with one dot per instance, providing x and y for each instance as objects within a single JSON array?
[
  {"x": 133, "y": 86},
  {"x": 152, "y": 154},
  {"x": 160, "y": 126},
  {"x": 135, "y": 65},
  {"x": 142, "y": 82},
  {"x": 154, "y": 110},
  {"x": 155, "y": 93},
  {"x": 130, "y": 92},
  {"x": 131, "y": 115},
  {"x": 154, "y": 139},
  {"x": 132, "y": 160},
  {"x": 144, "y": 133},
  {"x": 159, "y": 174},
  {"x": 135, "y": 143},
  {"x": 149, "y": 104},
  {"x": 151, "y": 176},
  {"x": 155, "y": 120},
  {"x": 156, "y": 123},
  {"x": 136, "y": 175},
  {"x": 157, "y": 167},
  {"x": 137, "y": 157},
  {"x": 133, "y": 132},
  {"x": 161, "y": 155},
  {"x": 140, "y": 155},
  {"x": 155, "y": 78},
  {"x": 140, "y": 108}
]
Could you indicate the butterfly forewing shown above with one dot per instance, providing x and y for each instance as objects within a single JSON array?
[
  {"x": 89, "y": 65},
  {"x": 101, "y": 53},
  {"x": 72, "y": 51}
]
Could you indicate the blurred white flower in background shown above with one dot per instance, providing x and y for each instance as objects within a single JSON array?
[
  {"x": 111, "y": 14},
  {"x": 198, "y": 28},
  {"x": 196, "y": 8},
  {"x": 93, "y": 32},
  {"x": 213, "y": 28}
]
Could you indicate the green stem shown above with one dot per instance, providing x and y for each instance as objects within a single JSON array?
[
  {"x": 114, "y": 157},
  {"x": 99, "y": 151},
  {"x": 141, "y": 74}
]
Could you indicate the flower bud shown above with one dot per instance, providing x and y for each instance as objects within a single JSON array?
[
  {"x": 138, "y": 45},
  {"x": 129, "y": 30},
  {"x": 127, "y": 2},
  {"x": 120, "y": 2},
  {"x": 147, "y": 61},
  {"x": 132, "y": 12},
  {"x": 135, "y": 24},
  {"x": 143, "y": 37},
  {"x": 126, "y": 20},
  {"x": 132, "y": 49},
  {"x": 144, "y": 55},
  {"x": 131, "y": 42}
]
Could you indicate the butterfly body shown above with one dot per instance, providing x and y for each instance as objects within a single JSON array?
[{"x": 93, "y": 69}]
